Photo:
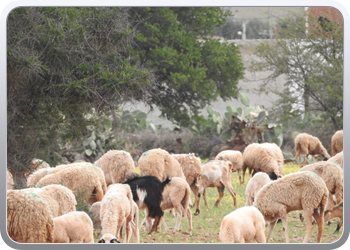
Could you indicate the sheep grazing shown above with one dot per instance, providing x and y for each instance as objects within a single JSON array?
[
  {"x": 147, "y": 193},
  {"x": 61, "y": 199},
  {"x": 191, "y": 166},
  {"x": 338, "y": 158},
  {"x": 83, "y": 179},
  {"x": 337, "y": 142},
  {"x": 235, "y": 157},
  {"x": 37, "y": 164},
  {"x": 95, "y": 213},
  {"x": 116, "y": 165},
  {"x": 254, "y": 185},
  {"x": 332, "y": 175},
  {"x": 29, "y": 219},
  {"x": 297, "y": 191},
  {"x": 10, "y": 182},
  {"x": 217, "y": 174},
  {"x": 160, "y": 163},
  {"x": 263, "y": 157},
  {"x": 116, "y": 212},
  {"x": 309, "y": 145},
  {"x": 73, "y": 227},
  {"x": 336, "y": 211},
  {"x": 244, "y": 225},
  {"x": 176, "y": 194}
]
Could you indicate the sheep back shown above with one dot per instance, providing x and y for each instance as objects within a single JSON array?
[
  {"x": 254, "y": 185},
  {"x": 338, "y": 158},
  {"x": 308, "y": 144},
  {"x": 159, "y": 163},
  {"x": 243, "y": 226},
  {"x": 29, "y": 219},
  {"x": 73, "y": 227},
  {"x": 116, "y": 165},
  {"x": 337, "y": 142},
  {"x": 191, "y": 166},
  {"x": 234, "y": 156}
]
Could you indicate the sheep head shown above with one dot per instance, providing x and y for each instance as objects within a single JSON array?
[{"x": 108, "y": 238}]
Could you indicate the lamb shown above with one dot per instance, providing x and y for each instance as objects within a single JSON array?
[
  {"x": 297, "y": 191},
  {"x": 95, "y": 214},
  {"x": 217, "y": 174},
  {"x": 309, "y": 145},
  {"x": 176, "y": 194},
  {"x": 191, "y": 166},
  {"x": 337, "y": 142},
  {"x": 244, "y": 225},
  {"x": 159, "y": 163},
  {"x": 116, "y": 212},
  {"x": 254, "y": 185},
  {"x": 235, "y": 157},
  {"x": 262, "y": 157},
  {"x": 61, "y": 199},
  {"x": 29, "y": 219},
  {"x": 338, "y": 159},
  {"x": 9, "y": 182},
  {"x": 147, "y": 193},
  {"x": 336, "y": 211},
  {"x": 85, "y": 179},
  {"x": 332, "y": 175},
  {"x": 73, "y": 227},
  {"x": 116, "y": 165}
]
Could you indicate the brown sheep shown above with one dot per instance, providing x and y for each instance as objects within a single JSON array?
[
  {"x": 338, "y": 158},
  {"x": 29, "y": 219},
  {"x": 336, "y": 211},
  {"x": 83, "y": 179},
  {"x": 116, "y": 165},
  {"x": 235, "y": 157},
  {"x": 191, "y": 166},
  {"x": 297, "y": 191},
  {"x": 217, "y": 174},
  {"x": 160, "y": 163},
  {"x": 337, "y": 142},
  {"x": 309, "y": 145},
  {"x": 263, "y": 157},
  {"x": 176, "y": 194},
  {"x": 73, "y": 227},
  {"x": 244, "y": 225}
]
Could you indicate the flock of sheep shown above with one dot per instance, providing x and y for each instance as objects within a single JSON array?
[{"x": 45, "y": 212}]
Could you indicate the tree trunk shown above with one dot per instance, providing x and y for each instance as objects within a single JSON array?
[{"x": 19, "y": 180}]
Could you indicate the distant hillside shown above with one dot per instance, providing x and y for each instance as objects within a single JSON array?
[{"x": 261, "y": 12}]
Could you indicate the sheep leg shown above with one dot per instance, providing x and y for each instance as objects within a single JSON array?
[
  {"x": 269, "y": 230},
  {"x": 319, "y": 217},
  {"x": 128, "y": 231},
  {"x": 221, "y": 194},
  {"x": 285, "y": 226},
  {"x": 309, "y": 226},
  {"x": 244, "y": 168},
  {"x": 165, "y": 226},
  {"x": 135, "y": 231},
  {"x": 178, "y": 218},
  {"x": 205, "y": 199},
  {"x": 196, "y": 200},
  {"x": 228, "y": 186},
  {"x": 260, "y": 236},
  {"x": 239, "y": 176},
  {"x": 189, "y": 218}
]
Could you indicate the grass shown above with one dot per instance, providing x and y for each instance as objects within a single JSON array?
[{"x": 206, "y": 225}]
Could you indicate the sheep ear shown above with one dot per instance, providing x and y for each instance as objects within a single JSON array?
[
  {"x": 101, "y": 241},
  {"x": 115, "y": 240}
]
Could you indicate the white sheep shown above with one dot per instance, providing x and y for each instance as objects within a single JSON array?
[
  {"x": 159, "y": 163},
  {"x": 116, "y": 212},
  {"x": 244, "y": 225},
  {"x": 309, "y": 145},
  {"x": 217, "y": 174},
  {"x": 116, "y": 165},
  {"x": 83, "y": 179},
  {"x": 177, "y": 195},
  {"x": 95, "y": 214},
  {"x": 337, "y": 142},
  {"x": 262, "y": 158},
  {"x": 297, "y": 191},
  {"x": 235, "y": 157},
  {"x": 254, "y": 185},
  {"x": 338, "y": 159},
  {"x": 73, "y": 227},
  {"x": 191, "y": 166},
  {"x": 29, "y": 219},
  {"x": 61, "y": 199}
]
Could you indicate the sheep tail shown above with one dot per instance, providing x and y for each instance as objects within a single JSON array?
[{"x": 164, "y": 183}]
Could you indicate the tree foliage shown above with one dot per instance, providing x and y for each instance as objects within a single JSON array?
[
  {"x": 192, "y": 68},
  {"x": 311, "y": 58}
]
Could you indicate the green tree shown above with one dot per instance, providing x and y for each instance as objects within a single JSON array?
[
  {"x": 61, "y": 63},
  {"x": 192, "y": 68},
  {"x": 311, "y": 58}
]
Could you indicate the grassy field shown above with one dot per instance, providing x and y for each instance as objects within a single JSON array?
[{"x": 206, "y": 225}]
